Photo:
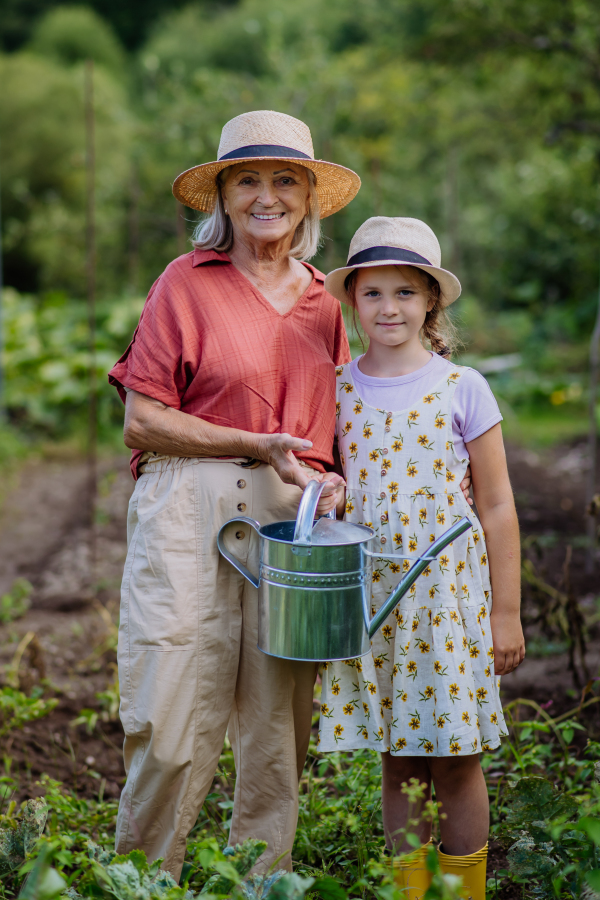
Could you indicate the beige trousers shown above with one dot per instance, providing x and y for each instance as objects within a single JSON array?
[{"x": 189, "y": 667}]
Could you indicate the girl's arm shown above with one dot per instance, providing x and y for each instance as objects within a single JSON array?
[{"x": 496, "y": 508}]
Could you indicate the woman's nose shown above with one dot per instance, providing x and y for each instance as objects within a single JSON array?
[{"x": 267, "y": 194}]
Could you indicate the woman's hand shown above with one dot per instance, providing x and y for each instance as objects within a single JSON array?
[
  {"x": 509, "y": 643},
  {"x": 465, "y": 486},
  {"x": 278, "y": 451}
]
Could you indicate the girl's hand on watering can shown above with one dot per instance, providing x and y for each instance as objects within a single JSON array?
[
  {"x": 465, "y": 486},
  {"x": 333, "y": 492}
]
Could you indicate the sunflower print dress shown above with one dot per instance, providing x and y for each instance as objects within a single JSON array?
[{"x": 428, "y": 687}]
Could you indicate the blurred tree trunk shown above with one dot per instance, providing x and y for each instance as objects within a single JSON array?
[
  {"x": 453, "y": 211},
  {"x": 2, "y": 408},
  {"x": 375, "y": 179},
  {"x": 593, "y": 442},
  {"x": 90, "y": 243},
  {"x": 134, "y": 232},
  {"x": 180, "y": 228}
]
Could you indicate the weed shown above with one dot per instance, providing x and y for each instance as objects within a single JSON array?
[
  {"x": 15, "y": 603},
  {"x": 16, "y": 708}
]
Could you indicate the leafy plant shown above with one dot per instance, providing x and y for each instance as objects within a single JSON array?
[
  {"x": 15, "y": 602},
  {"x": 42, "y": 881},
  {"x": 127, "y": 877},
  {"x": 555, "y": 848},
  {"x": 19, "y": 832},
  {"x": 16, "y": 708}
]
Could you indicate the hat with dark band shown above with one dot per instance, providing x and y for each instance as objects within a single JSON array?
[
  {"x": 381, "y": 241},
  {"x": 267, "y": 135}
]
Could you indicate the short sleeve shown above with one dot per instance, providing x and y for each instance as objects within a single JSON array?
[
  {"x": 341, "y": 349},
  {"x": 153, "y": 362},
  {"x": 474, "y": 409}
]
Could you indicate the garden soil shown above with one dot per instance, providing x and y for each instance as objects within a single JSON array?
[{"x": 67, "y": 639}]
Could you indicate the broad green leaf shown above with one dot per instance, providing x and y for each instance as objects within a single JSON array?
[
  {"x": 329, "y": 889},
  {"x": 591, "y": 826},
  {"x": 227, "y": 870},
  {"x": 593, "y": 879}
]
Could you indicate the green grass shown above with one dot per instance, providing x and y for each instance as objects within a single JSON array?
[{"x": 544, "y": 428}]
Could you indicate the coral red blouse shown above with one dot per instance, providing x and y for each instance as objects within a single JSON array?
[{"x": 208, "y": 343}]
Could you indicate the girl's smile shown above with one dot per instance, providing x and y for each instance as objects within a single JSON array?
[{"x": 391, "y": 306}]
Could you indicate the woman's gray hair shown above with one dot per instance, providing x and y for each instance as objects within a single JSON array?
[{"x": 215, "y": 231}]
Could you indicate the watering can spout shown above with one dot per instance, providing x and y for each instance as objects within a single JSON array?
[{"x": 411, "y": 576}]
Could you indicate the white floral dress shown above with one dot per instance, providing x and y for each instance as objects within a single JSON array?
[{"x": 428, "y": 687}]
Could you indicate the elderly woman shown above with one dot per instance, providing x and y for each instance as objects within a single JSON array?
[{"x": 229, "y": 388}]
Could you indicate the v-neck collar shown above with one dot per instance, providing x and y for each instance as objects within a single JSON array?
[{"x": 201, "y": 257}]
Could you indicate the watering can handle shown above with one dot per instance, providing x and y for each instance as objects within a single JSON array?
[
  {"x": 235, "y": 562},
  {"x": 411, "y": 576},
  {"x": 308, "y": 510}
]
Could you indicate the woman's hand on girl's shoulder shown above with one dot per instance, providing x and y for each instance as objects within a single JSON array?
[
  {"x": 465, "y": 486},
  {"x": 508, "y": 640}
]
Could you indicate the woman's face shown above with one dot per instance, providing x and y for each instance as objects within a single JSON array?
[{"x": 266, "y": 200}]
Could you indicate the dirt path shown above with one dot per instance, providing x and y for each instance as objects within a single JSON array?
[
  {"x": 45, "y": 539},
  {"x": 69, "y": 631}
]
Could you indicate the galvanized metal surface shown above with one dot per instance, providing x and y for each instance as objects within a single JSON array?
[
  {"x": 314, "y": 598},
  {"x": 307, "y": 511}
]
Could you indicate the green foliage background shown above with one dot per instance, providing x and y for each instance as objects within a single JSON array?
[{"x": 480, "y": 117}]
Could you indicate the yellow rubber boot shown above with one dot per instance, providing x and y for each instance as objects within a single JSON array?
[
  {"x": 410, "y": 873},
  {"x": 472, "y": 870}
]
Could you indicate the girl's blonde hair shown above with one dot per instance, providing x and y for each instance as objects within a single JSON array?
[
  {"x": 437, "y": 329},
  {"x": 215, "y": 231}
]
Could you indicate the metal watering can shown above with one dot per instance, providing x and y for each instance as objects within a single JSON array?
[{"x": 314, "y": 581}]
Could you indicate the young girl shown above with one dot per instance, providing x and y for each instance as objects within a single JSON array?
[{"x": 409, "y": 424}]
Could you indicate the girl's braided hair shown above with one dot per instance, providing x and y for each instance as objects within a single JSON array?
[{"x": 438, "y": 329}]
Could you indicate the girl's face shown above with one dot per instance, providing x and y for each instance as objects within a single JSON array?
[{"x": 391, "y": 304}]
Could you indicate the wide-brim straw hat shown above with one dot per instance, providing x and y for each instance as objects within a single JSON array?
[
  {"x": 267, "y": 135},
  {"x": 395, "y": 242}
]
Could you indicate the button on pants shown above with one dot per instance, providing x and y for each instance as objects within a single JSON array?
[{"x": 189, "y": 666}]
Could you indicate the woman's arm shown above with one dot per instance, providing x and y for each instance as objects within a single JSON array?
[
  {"x": 496, "y": 508},
  {"x": 151, "y": 425}
]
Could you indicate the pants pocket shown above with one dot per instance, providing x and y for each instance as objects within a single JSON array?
[{"x": 163, "y": 579}]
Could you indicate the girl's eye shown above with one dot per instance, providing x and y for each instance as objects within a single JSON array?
[
  {"x": 372, "y": 294},
  {"x": 406, "y": 293}
]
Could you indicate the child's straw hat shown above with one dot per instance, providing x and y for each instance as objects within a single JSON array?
[
  {"x": 391, "y": 242},
  {"x": 267, "y": 135}
]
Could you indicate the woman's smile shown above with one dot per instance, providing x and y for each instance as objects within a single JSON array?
[{"x": 267, "y": 217}]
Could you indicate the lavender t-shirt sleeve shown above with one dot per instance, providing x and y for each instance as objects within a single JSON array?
[{"x": 474, "y": 410}]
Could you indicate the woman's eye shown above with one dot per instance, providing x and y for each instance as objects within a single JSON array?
[
  {"x": 246, "y": 181},
  {"x": 286, "y": 181}
]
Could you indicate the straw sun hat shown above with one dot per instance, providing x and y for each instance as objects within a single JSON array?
[
  {"x": 391, "y": 242},
  {"x": 267, "y": 135}
]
